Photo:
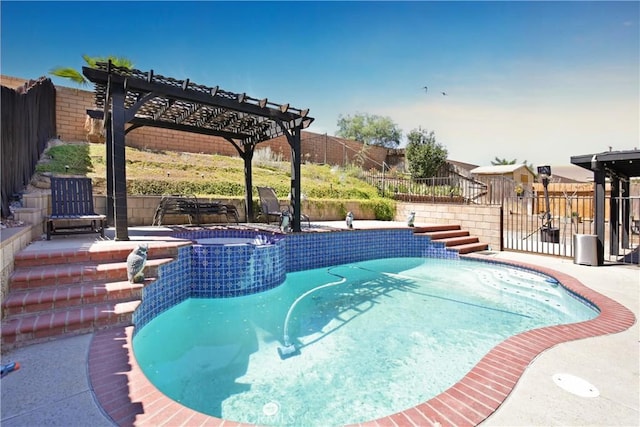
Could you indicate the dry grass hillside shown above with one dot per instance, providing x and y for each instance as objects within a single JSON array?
[{"x": 156, "y": 173}]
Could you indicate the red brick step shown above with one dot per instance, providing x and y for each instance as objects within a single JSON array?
[
  {"x": 436, "y": 235},
  {"x": 56, "y": 275},
  {"x": 44, "y": 326},
  {"x": 33, "y": 301},
  {"x": 435, "y": 227},
  {"x": 469, "y": 248},
  {"x": 93, "y": 255},
  {"x": 453, "y": 237},
  {"x": 456, "y": 241}
]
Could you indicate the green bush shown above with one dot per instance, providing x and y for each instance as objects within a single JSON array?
[
  {"x": 159, "y": 187},
  {"x": 384, "y": 209},
  {"x": 67, "y": 159}
]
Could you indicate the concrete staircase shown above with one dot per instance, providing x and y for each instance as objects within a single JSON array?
[
  {"x": 453, "y": 237},
  {"x": 72, "y": 291}
]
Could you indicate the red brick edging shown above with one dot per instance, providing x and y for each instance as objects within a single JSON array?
[{"x": 128, "y": 398}]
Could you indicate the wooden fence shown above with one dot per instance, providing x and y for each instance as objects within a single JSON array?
[{"x": 28, "y": 121}]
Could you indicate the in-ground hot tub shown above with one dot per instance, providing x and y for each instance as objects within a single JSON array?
[{"x": 234, "y": 266}]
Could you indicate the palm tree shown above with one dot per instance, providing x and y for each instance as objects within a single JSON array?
[
  {"x": 498, "y": 161},
  {"x": 76, "y": 76},
  {"x": 94, "y": 127}
]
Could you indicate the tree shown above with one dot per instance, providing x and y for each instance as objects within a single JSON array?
[
  {"x": 370, "y": 129},
  {"x": 498, "y": 161},
  {"x": 424, "y": 154},
  {"x": 91, "y": 61}
]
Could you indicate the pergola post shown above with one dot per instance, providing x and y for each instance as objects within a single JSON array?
[
  {"x": 119, "y": 160},
  {"x": 599, "y": 177},
  {"x": 246, "y": 153},
  {"x": 293, "y": 137},
  {"x": 247, "y": 156},
  {"x": 109, "y": 166},
  {"x": 614, "y": 215},
  {"x": 626, "y": 213}
]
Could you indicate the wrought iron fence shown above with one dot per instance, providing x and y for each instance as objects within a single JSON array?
[
  {"x": 528, "y": 223},
  {"x": 454, "y": 188},
  {"x": 528, "y": 227}
]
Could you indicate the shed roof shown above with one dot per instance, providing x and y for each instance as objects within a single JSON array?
[{"x": 498, "y": 169}]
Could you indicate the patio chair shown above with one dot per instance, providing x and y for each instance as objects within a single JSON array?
[
  {"x": 72, "y": 208},
  {"x": 270, "y": 206}
]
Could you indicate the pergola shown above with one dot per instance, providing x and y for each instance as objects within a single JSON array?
[
  {"x": 619, "y": 167},
  {"x": 131, "y": 97}
]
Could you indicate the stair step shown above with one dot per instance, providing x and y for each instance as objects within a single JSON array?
[
  {"x": 36, "y": 258},
  {"x": 437, "y": 235},
  {"x": 469, "y": 247},
  {"x": 457, "y": 241},
  {"x": 57, "y": 275},
  {"x": 34, "y": 301},
  {"x": 45, "y": 326},
  {"x": 435, "y": 227}
]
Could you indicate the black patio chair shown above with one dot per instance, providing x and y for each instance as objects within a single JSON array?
[{"x": 270, "y": 206}]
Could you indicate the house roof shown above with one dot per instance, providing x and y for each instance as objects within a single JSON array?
[
  {"x": 462, "y": 165},
  {"x": 498, "y": 169},
  {"x": 570, "y": 174}
]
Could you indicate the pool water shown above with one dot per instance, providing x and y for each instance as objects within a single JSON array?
[{"x": 394, "y": 333}]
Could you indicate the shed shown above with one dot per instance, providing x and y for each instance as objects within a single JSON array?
[{"x": 519, "y": 173}]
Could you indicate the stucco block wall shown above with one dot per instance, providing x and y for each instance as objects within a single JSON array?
[
  {"x": 141, "y": 210},
  {"x": 480, "y": 221},
  {"x": 12, "y": 82},
  {"x": 12, "y": 241},
  {"x": 71, "y": 113}
]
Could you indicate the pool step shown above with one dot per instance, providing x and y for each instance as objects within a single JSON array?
[
  {"x": 58, "y": 293},
  {"x": 41, "y": 300},
  {"x": 470, "y": 247},
  {"x": 93, "y": 253},
  {"x": 30, "y": 329},
  {"x": 50, "y": 276},
  {"x": 453, "y": 237}
]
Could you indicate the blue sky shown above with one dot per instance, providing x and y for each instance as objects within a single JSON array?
[{"x": 535, "y": 81}]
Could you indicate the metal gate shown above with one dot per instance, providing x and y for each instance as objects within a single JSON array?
[{"x": 529, "y": 227}]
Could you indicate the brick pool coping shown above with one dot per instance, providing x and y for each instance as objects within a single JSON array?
[{"x": 127, "y": 397}]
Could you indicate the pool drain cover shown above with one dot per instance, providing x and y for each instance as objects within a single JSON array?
[
  {"x": 270, "y": 409},
  {"x": 575, "y": 385}
]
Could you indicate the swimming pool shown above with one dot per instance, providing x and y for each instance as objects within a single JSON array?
[{"x": 390, "y": 334}]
